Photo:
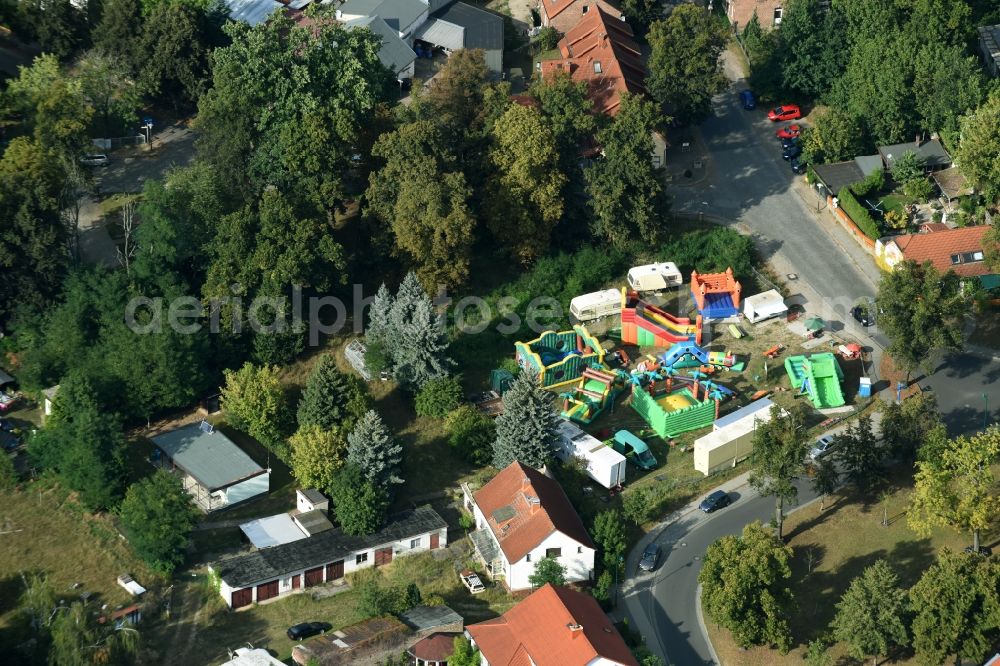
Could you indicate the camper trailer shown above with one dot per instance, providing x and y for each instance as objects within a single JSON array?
[
  {"x": 596, "y": 305},
  {"x": 604, "y": 464},
  {"x": 654, "y": 277},
  {"x": 763, "y": 306}
]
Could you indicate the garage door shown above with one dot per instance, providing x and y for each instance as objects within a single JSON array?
[
  {"x": 242, "y": 597},
  {"x": 383, "y": 556},
  {"x": 314, "y": 576},
  {"x": 267, "y": 591},
  {"x": 335, "y": 571}
]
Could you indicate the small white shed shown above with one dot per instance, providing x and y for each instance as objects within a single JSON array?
[
  {"x": 763, "y": 306},
  {"x": 654, "y": 277}
]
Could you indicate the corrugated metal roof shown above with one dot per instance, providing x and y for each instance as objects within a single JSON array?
[
  {"x": 394, "y": 52},
  {"x": 253, "y": 12},
  {"x": 272, "y": 531},
  {"x": 483, "y": 29},
  {"x": 442, "y": 33},
  {"x": 209, "y": 456}
]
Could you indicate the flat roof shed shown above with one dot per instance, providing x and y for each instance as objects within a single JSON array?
[{"x": 208, "y": 456}]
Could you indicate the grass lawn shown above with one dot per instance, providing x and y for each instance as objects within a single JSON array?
[
  {"x": 208, "y": 629},
  {"x": 46, "y": 531},
  {"x": 894, "y": 201},
  {"x": 831, "y": 548}
]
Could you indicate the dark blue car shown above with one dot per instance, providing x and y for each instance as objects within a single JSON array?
[
  {"x": 715, "y": 501},
  {"x": 747, "y": 99}
]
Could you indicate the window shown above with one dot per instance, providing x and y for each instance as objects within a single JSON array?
[
  {"x": 585, "y": 8},
  {"x": 579, "y": 550},
  {"x": 777, "y": 15},
  {"x": 414, "y": 543},
  {"x": 597, "y": 67},
  {"x": 359, "y": 559},
  {"x": 527, "y": 558},
  {"x": 656, "y": 160},
  {"x": 286, "y": 583},
  {"x": 553, "y": 552}
]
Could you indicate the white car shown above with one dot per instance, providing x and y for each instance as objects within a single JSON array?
[
  {"x": 94, "y": 159},
  {"x": 822, "y": 447}
]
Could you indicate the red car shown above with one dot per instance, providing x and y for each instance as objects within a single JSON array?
[
  {"x": 786, "y": 112},
  {"x": 790, "y": 132}
]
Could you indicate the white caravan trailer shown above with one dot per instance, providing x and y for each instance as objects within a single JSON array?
[
  {"x": 596, "y": 305},
  {"x": 654, "y": 277}
]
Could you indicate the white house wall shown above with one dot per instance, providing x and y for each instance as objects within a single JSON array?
[
  {"x": 577, "y": 558},
  {"x": 407, "y": 33}
]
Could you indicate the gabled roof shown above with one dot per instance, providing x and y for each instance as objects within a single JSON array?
[
  {"x": 554, "y": 8},
  {"x": 523, "y": 506},
  {"x": 838, "y": 175},
  {"x": 941, "y": 247},
  {"x": 207, "y": 455},
  {"x": 328, "y": 546},
  {"x": 555, "y": 626},
  {"x": 398, "y": 14},
  {"x": 394, "y": 53},
  {"x": 932, "y": 152},
  {"x": 600, "y": 51},
  {"x": 952, "y": 182},
  {"x": 481, "y": 29}
]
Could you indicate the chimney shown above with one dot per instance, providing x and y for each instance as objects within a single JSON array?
[
  {"x": 534, "y": 503},
  {"x": 574, "y": 629}
]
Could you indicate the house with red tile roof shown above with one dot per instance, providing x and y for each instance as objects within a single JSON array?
[
  {"x": 601, "y": 51},
  {"x": 521, "y": 517},
  {"x": 555, "y": 626},
  {"x": 960, "y": 250},
  {"x": 563, "y": 15}
]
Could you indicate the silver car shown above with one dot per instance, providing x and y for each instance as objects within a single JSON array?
[
  {"x": 94, "y": 159},
  {"x": 822, "y": 447}
]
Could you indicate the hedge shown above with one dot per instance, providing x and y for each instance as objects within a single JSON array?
[{"x": 858, "y": 213}]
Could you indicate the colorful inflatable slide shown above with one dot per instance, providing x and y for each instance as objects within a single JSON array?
[{"x": 645, "y": 325}]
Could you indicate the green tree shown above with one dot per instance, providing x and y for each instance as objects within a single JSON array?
[
  {"x": 744, "y": 590},
  {"x": 157, "y": 515},
  {"x": 108, "y": 87},
  {"x": 361, "y": 508},
  {"x": 871, "y": 616},
  {"x": 636, "y": 505},
  {"x": 317, "y": 456},
  {"x": 979, "y": 150},
  {"x": 860, "y": 455},
  {"x": 956, "y": 485},
  {"x": 422, "y": 196},
  {"x": 379, "y": 328},
  {"x": 548, "y": 38},
  {"x": 420, "y": 353},
  {"x": 176, "y": 40},
  {"x": 527, "y": 427},
  {"x": 869, "y": 20},
  {"x": 330, "y": 396},
  {"x": 372, "y": 450},
  {"x": 455, "y": 97},
  {"x": 254, "y": 401},
  {"x": 908, "y": 166},
  {"x": 905, "y": 426},
  {"x": 947, "y": 83},
  {"x": 116, "y": 34},
  {"x": 524, "y": 192},
  {"x": 946, "y": 22},
  {"x": 779, "y": 449},
  {"x": 991, "y": 246},
  {"x": 825, "y": 480},
  {"x": 79, "y": 638},
  {"x": 463, "y": 653},
  {"x": 957, "y": 609},
  {"x": 626, "y": 192},
  {"x": 57, "y": 25},
  {"x": 471, "y": 433},
  {"x": 684, "y": 67},
  {"x": 834, "y": 136},
  {"x": 921, "y": 311},
  {"x": 296, "y": 127},
  {"x": 811, "y": 47},
  {"x": 641, "y": 13},
  {"x": 547, "y": 570},
  {"x": 438, "y": 397},
  {"x": 817, "y": 655},
  {"x": 609, "y": 534}
]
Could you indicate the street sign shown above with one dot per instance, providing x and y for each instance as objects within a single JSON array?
[{"x": 147, "y": 121}]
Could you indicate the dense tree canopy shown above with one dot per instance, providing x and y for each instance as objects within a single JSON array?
[
  {"x": 871, "y": 616},
  {"x": 979, "y": 150},
  {"x": 527, "y": 427},
  {"x": 779, "y": 449},
  {"x": 157, "y": 515}
]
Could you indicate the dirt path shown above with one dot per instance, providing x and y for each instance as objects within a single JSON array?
[{"x": 185, "y": 609}]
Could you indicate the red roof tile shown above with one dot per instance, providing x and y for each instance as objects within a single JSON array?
[
  {"x": 554, "y": 8},
  {"x": 436, "y": 647},
  {"x": 938, "y": 247},
  {"x": 555, "y": 626},
  {"x": 528, "y": 522},
  {"x": 601, "y": 52}
]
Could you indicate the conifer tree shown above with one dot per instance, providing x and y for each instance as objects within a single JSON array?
[
  {"x": 527, "y": 428},
  {"x": 373, "y": 451},
  {"x": 379, "y": 329},
  {"x": 421, "y": 352},
  {"x": 328, "y": 397}
]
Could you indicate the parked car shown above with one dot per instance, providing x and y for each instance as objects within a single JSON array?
[
  {"x": 791, "y": 152},
  {"x": 306, "y": 629},
  {"x": 472, "y": 582},
  {"x": 985, "y": 551},
  {"x": 747, "y": 100},
  {"x": 787, "y": 143},
  {"x": 784, "y": 112},
  {"x": 821, "y": 448},
  {"x": 862, "y": 315},
  {"x": 94, "y": 159},
  {"x": 717, "y": 500},
  {"x": 789, "y": 132},
  {"x": 633, "y": 449},
  {"x": 798, "y": 166},
  {"x": 650, "y": 557}
]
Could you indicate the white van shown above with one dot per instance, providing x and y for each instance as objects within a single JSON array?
[
  {"x": 654, "y": 277},
  {"x": 596, "y": 305}
]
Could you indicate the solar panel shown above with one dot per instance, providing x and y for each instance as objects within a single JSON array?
[{"x": 206, "y": 427}]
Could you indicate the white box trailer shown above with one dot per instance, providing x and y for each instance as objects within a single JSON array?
[
  {"x": 654, "y": 277},
  {"x": 596, "y": 305},
  {"x": 604, "y": 464},
  {"x": 763, "y": 306},
  {"x": 728, "y": 445}
]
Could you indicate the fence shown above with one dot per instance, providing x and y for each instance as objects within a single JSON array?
[{"x": 118, "y": 142}]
